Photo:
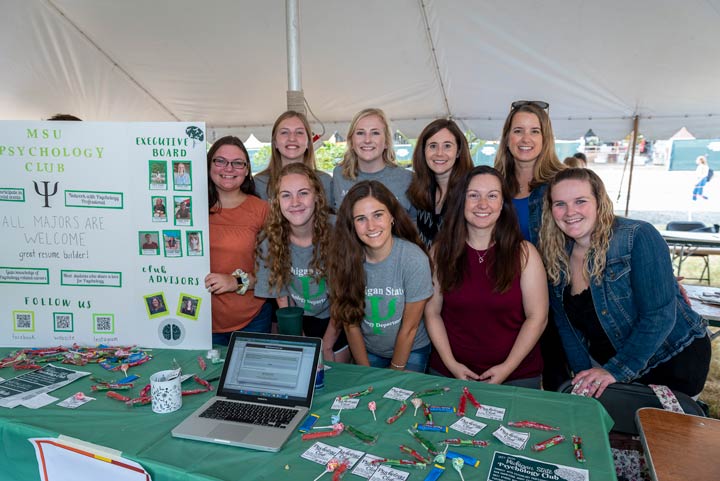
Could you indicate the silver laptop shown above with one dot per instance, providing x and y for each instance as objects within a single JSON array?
[{"x": 265, "y": 391}]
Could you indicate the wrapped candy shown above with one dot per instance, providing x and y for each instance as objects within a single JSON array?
[
  {"x": 553, "y": 441},
  {"x": 417, "y": 402},
  {"x": 372, "y": 406},
  {"x": 457, "y": 465},
  {"x": 533, "y": 425},
  {"x": 336, "y": 431},
  {"x": 329, "y": 468},
  {"x": 471, "y": 398},
  {"x": 465, "y": 442},
  {"x": 414, "y": 454},
  {"x": 355, "y": 394},
  {"x": 364, "y": 437},
  {"x": 577, "y": 448},
  {"x": 398, "y": 413}
]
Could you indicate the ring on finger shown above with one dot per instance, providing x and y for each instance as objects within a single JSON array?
[{"x": 597, "y": 383}]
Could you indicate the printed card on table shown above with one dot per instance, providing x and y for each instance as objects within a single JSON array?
[
  {"x": 72, "y": 402},
  {"x": 320, "y": 453},
  {"x": 365, "y": 468},
  {"x": 398, "y": 394},
  {"x": 490, "y": 412},
  {"x": 352, "y": 455},
  {"x": 386, "y": 473},
  {"x": 345, "y": 404},
  {"x": 468, "y": 426},
  {"x": 514, "y": 439}
]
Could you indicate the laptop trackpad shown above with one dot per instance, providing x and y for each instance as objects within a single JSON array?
[{"x": 231, "y": 433}]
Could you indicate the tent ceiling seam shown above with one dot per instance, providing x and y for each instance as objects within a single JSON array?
[
  {"x": 434, "y": 57},
  {"x": 112, "y": 61}
]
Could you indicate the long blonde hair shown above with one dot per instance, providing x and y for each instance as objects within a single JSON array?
[
  {"x": 554, "y": 242},
  {"x": 547, "y": 164},
  {"x": 350, "y": 161},
  {"x": 277, "y": 231}
]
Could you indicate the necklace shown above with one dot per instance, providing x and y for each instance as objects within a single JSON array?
[{"x": 481, "y": 258}]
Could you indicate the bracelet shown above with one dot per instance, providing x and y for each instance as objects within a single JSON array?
[
  {"x": 244, "y": 281},
  {"x": 397, "y": 366}
]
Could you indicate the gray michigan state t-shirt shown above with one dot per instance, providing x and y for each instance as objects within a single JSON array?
[
  {"x": 396, "y": 179},
  {"x": 303, "y": 290},
  {"x": 404, "y": 276}
]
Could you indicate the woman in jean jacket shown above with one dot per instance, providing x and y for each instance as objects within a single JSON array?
[{"x": 616, "y": 302}]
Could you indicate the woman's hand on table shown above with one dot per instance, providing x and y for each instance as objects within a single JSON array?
[{"x": 592, "y": 382}]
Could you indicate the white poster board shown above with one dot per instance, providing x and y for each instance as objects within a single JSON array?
[{"x": 104, "y": 234}]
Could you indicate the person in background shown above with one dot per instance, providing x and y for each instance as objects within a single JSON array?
[
  {"x": 527, "y": 160},
  {"x": 490, "y": 301},
  {"x": 616, "y": 302},
  {"x": 236, "y": 217},
  {"x": 577, "y": 160},
  {"x": 701, "y": 177},
  {"x": 291, "y": 142},
  {"x": 370, "y": 156},
  {"x": 64, "y": 117},
  {"x": 292, "y": 255},
  {"x": 440, "y": 159},
  {"x": 380, "y": 280}
]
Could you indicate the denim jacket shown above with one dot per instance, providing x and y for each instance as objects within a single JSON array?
[
  {"x": 535, "y": 206},
  {"x": 638, "y": 303}
]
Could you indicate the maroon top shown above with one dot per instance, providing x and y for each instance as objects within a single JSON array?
[{"x": 482, "y": 325}]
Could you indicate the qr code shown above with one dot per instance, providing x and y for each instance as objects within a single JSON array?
[
  {"x": 103, "y": 324},
  {"x": 63, "y": 322},
  {"x": 23, "y": 321}
]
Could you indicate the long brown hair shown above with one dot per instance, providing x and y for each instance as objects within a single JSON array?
[
  {"x": 275, "y": 164},
  {"x": 450, "y": 251},
  {"x": 346, "y": 272},
  {"x": 423, "y": 184},
  {"x": 277, "y": 231},
  {"x": 547, "y": 164},
  {"x": 248, "y": 185}
]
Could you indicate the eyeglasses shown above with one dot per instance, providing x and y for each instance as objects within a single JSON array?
[
  {"x": 537, "y": 103},
  {"x": 236, "y": 164}
]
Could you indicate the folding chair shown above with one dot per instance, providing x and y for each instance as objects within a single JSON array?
[{"x": 682, "y": 251}]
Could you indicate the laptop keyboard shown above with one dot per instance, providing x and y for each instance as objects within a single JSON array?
[{"x": 250, "y": 413}]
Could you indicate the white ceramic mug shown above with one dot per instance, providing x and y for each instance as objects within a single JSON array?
[{"x": 166, "y": 391}]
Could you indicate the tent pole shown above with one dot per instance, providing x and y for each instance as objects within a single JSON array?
[
  {"x": 295, "y": 96},
  {"x": 633, "y": 142}
]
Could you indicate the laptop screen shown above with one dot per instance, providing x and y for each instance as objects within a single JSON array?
[{"x": 270, "y": 368}]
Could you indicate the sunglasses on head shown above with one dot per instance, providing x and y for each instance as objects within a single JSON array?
[{"x": 537, "y": 103}]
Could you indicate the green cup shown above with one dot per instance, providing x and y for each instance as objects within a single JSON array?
[{"x": 290, "y": 320}]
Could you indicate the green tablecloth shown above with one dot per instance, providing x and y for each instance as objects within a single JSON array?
[{"x": 144, "y": 436}]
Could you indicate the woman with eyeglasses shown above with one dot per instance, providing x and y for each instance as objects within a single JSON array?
[
  {"x": 370, "y": 156},
  {"x": 527, "y": 160},
  {"x": 293, "y": 255},
  {"x": 616, "y": 302},
  {"x": 380, "y": 280},
  {"x": 291, "y": 142},
  {"x": 236, "y": 217},
  {"x": 490, "y": 300},
  {"x": 440, "y": 160}
]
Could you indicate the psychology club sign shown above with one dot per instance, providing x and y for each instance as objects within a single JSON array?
[{"x": 104, "y": 230}]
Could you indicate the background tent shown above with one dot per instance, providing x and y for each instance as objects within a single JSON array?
[{"x": 598, "y": 64}]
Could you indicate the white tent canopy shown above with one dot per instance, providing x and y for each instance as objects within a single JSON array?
[{"x": 598, "y": 63}]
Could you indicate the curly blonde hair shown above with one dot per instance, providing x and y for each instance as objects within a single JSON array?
[
  {"x": 277, "y": 231},
  {"x": 554, "y": 242},
  {"x": 350, "y": 160}
]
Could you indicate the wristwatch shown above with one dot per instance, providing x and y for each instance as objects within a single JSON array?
[{"x": 243, "y": 281}]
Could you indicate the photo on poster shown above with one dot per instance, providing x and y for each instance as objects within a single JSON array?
[
  {"x": 158, "y": 174},
  {"x": 149, "y": 243},
  {"x": 182, "y": 178},
  {"x": 183, "y": 210},
  {"x": 188, "y": 306},
  {"x": 103, "y": 323},
  {"x": 63, "y": 322},
  {"x": 155, "y": 305},
  {"x": 194, "y": 243},
  {"x": 159, "y": 209},
  {"x": 172, "y": 244}
]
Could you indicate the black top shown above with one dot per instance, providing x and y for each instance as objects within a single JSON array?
[
  {"x": 581, "y": 313},
  {"x": 428, "y": 223}
]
